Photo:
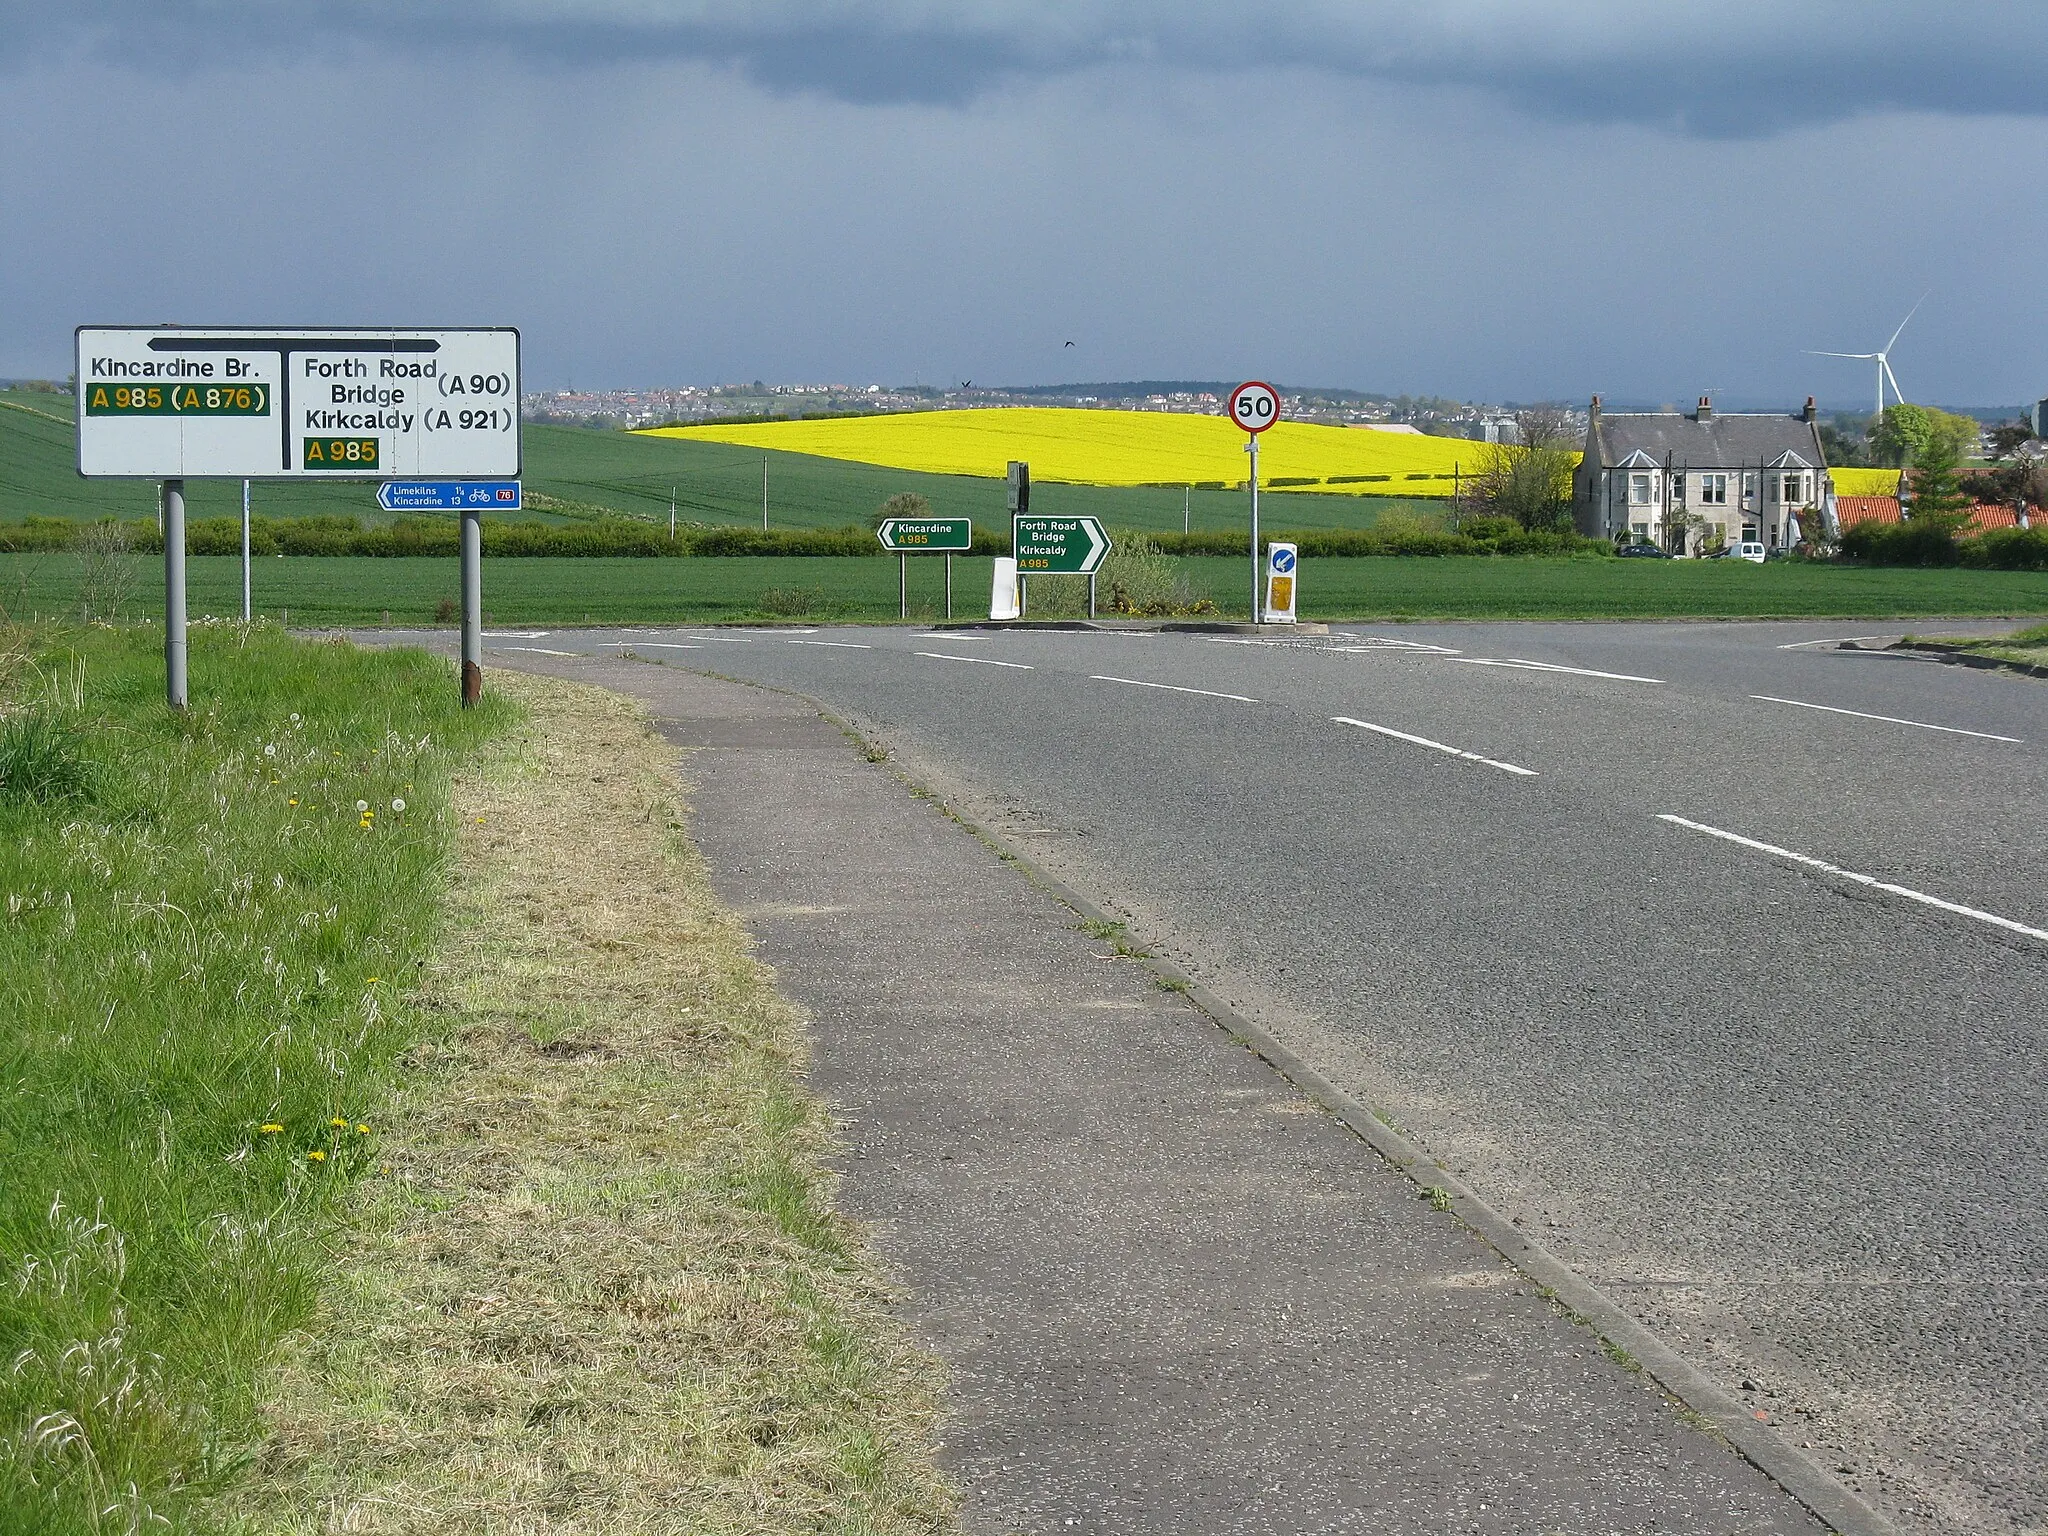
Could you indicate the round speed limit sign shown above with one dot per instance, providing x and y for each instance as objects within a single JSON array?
[{"x": 1255, "y": 406}]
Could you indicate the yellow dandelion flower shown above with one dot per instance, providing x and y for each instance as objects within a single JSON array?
[
  {"x": 293, "y": 801},
  {"x": 371, "y": 981},
  {"x": 316, "y": 1156},
  {"x": 339, "y": 1123},
  {"x": 362, "y": 1130},
  {"x": 270, "y": 1128}
]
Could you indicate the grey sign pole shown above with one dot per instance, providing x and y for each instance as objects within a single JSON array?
[
  {"x": 1253, "y": 449},
  {"x": 949, "y": 586},
  {"x": 174, "y": 593},
  {"x": 903, "y": 586},
  {"x": 472, "y": 606},
  {"x": 245, "y": 551}
]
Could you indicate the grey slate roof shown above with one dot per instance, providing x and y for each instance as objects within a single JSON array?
[{"x": 1720, "y": 442}]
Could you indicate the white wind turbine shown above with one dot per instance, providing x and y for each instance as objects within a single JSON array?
[{"x": 1883, "y": 360}]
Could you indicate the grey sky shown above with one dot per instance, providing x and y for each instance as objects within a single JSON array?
[{"x": 1477, "y": 199}]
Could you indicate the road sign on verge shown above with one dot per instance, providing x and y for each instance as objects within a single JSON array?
[
  {"x": 177, "y": 402},
  {"x": 448, "y": 495},
  {"x": 1280, "y": 583},
  {"x": 926, "y": 535},
  {"x": 1058, "y": 546},
  {"x": 1255, "y": 406}
]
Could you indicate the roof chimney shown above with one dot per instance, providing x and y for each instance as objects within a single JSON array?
[
  {"x": 1706, "y": 410},
  {"x": 1808, "y": 413},
  {"x": 1594, "y": 410}
]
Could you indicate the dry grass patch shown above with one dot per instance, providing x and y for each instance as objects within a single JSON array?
[{"x": 600, "y": 1286}]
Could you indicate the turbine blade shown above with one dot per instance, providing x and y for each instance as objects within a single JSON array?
[
  {"x": 1897, "y": 393},
  {"x": 1907, "y": 321},
  {"x": 1861, "y": 357}
]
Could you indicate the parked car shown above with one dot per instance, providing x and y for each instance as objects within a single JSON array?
[
  {"x": 1748, "y": 550},
  {"x": 1641, "y": 552}
]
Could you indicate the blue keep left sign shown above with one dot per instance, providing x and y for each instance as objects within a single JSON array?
[
  {"x": 1283, "y": 559},
  {"x": 448, "y": 495}
]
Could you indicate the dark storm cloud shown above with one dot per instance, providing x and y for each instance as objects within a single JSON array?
[{"x": 1734, "y": 68}]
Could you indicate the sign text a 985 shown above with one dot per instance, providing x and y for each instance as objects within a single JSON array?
[{"x": 340, "y": 453}]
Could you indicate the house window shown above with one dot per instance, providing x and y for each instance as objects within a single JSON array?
[
  {"x": 1678, "y": 487},
  {"x": 1714, "y": 490},
  {"x": 1749, "y": 485},
  {"x": 1639, "y": 490},
  {"x": 1794, "y": 489}
]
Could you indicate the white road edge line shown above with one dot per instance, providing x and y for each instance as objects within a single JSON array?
[
  {"x": 843, "y": 645},
  {"x": 727, "y": 639},
  {"x": 656, "y": 645},
  {"x": 1139, "y": 682},
  {"x": 980, "y": 661},
  {"x": 1435, "y": 746},
  {"x": 1953, "y": 730},
  {"x": 1549, "y": 666},
  {"x": 1849, "y": 874}
]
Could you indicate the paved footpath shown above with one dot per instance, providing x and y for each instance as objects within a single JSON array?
[{"x": 1174, "y": 1295}]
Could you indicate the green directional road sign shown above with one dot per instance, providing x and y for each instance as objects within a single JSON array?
[
  {"x": 1058, "y": 546},
  {"x": 926, "y": 535}
]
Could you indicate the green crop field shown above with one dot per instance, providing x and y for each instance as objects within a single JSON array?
[
  {"x": 587, "y": 472},
  {"x": 317, "y": 591}
]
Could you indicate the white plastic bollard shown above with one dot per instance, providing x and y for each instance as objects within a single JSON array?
[{"x": 1002, "y": 602}]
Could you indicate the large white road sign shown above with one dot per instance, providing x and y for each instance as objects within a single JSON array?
[{"x": 177, "y": 402}]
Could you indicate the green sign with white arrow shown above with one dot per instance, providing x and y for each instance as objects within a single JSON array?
[
  {"x": 1058, "y": 546},
  {"x": 926, "y": 535}
]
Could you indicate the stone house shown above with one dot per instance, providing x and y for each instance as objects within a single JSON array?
[{"x": 1701, "y": 480}]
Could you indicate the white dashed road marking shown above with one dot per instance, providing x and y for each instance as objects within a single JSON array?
[
  {"x": 1546, "y": 666},
  {"x": 1953, "y": 730},
  {"x": 1434, "y": 746},
  {"x": 538, "y": 650},
  {"x": 841, "y": 645},
  {"x": 980, "y": 661},
  {"x": 1849, "y": 874},
  {"x": 659, "y": 645},
  {"x": 1137, "y": 682}
]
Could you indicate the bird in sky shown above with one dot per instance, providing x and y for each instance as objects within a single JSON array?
[{"x": 1070, "y": 343}]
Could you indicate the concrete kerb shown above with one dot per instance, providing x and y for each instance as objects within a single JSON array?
[
  {"x": 1957, "y": 656},
  {"x": 1691, "y": 1388}
]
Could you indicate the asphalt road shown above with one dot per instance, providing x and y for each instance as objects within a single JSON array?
[{"x": 1715, "y": 956}]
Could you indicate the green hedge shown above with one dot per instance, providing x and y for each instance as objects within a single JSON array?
[
  {"x": 2002, "y": 549},
  {"x": 612, "y": 537}
]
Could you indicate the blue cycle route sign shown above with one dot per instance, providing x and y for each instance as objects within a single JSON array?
[{"x": 448, "y": 495}]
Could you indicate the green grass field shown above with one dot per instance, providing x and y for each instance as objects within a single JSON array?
[
  {"x": 315, "y": 591},
  {"x": 712, "y": 483},
  {"x": 203, "y": 959}
]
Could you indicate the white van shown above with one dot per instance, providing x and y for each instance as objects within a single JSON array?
[{"x": 1746, "y": 550}]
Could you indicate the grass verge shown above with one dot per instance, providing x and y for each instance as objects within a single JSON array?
[
  {"x": 596, "y": 1283},
  {"x": 2028, "y": 646},
  {"x": 205, "y": 921}
]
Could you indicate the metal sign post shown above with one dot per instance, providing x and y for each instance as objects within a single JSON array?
[
  {"x": 907, "y": 536},
  {"x": 1020, "y": 505},
  {"x": 1255, "y": 406},
  {"x": 245, "y": 551},
  {"x": 172, "y": 403},
  {"x": 472, "y": 606},
  {"x": 174, "y": 594}
]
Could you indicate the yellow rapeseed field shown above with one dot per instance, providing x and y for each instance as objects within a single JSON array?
[
  {"x": 1119, "y": 448},
  {"x": 1865, "y": 482}
]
